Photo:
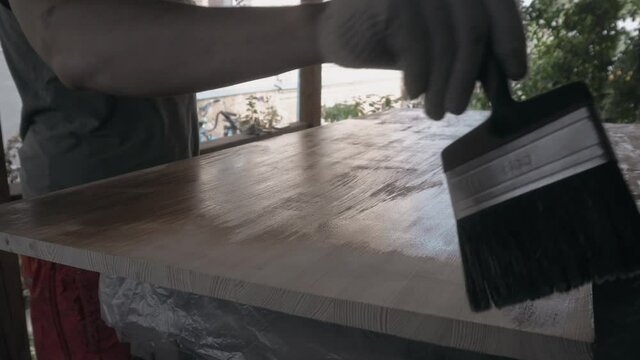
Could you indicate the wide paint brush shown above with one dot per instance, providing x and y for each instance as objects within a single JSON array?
[{"x": 540, "y": 202}]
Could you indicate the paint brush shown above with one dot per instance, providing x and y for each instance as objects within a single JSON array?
[{"x": 540, "y": 203}]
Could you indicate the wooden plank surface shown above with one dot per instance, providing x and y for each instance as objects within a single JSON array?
[{"x": 349, "y": 224}]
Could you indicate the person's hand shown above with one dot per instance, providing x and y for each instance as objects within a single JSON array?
[{"x": 439, "y": 45}]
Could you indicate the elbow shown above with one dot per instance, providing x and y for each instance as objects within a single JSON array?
[{"x": 73, "y": 71}]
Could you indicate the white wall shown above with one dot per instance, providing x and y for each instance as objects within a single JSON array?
[{"x": 10, "y": 104}]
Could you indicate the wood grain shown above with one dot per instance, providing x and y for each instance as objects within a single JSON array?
[{"x": 349, "y": 224}]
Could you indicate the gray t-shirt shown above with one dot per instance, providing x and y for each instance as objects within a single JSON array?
[{"x": 71, "y": 137}]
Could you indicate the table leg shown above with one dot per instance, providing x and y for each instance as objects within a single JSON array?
[
  {"x": 616, "y": 311},
  {"x": 14, "y": 343}
]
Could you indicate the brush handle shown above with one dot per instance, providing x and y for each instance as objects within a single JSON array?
[
  {"x": 496, "y": 86},
  {"x": 504, "y": 119}
]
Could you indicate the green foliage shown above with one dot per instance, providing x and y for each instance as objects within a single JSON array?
[
  {"x": 12, "y": 160},
  {"x": 341, "y": 111},
  {"x": 251, "y": 114},
  {"x": 260, "y": 114},
  {"x": 271, "y": 117},
  {"x": 359, "y": 106},
  {"x": 574, "y": 41},
  {"x": 479, "y": 100},
  {"x": 623, "y": 100},
  {"x": 582, "y": 40}
]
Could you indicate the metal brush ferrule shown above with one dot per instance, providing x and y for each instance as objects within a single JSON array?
[{"x": 554, "y": 152}]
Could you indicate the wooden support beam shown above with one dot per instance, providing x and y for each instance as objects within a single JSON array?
[
  {"x": 237, "y": 140},
  {"x": 14, "y": 342},
  {"x": 4, "y": 183},
  {"x": 310, "y": 90},
  {"x": 310, "y": 95}
]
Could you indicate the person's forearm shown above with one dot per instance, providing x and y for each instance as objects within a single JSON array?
[{"x": 151, "y": 48}]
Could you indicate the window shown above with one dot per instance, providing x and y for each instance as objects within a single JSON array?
[
  {"x": 260, "y": 107},
  {"x": 271, "y": 104}
]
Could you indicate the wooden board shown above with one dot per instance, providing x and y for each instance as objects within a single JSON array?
[{"x": 349, "y": 224}]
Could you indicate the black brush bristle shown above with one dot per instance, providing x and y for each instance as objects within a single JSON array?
[
  {"x": 575, "y": 230},
  {"x": 552, "y": 239}
]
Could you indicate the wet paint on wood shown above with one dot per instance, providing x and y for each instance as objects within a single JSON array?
[{"x": 349, "y": 224}]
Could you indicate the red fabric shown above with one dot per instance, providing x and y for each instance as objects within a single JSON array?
[{"x": 65, "y": 314}]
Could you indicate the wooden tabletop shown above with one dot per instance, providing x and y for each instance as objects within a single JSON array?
[{"x": 349, "y": 223}]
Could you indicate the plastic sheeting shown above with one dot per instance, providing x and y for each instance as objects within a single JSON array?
[
  {"x": 166, "y": 323},
  {"x": 149, "y": 316}
]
